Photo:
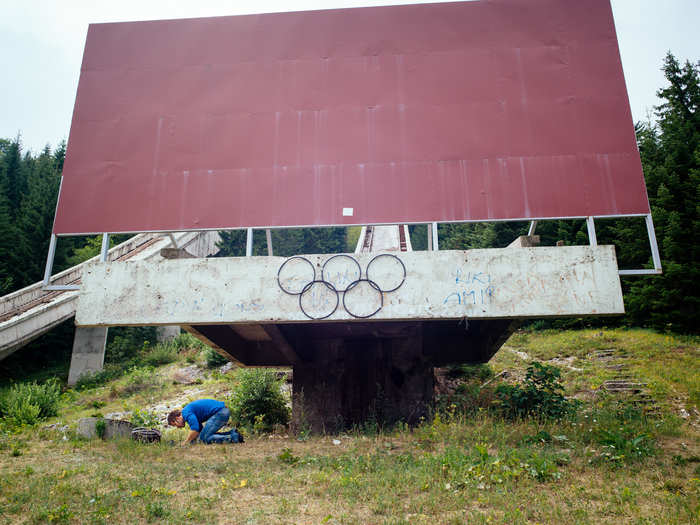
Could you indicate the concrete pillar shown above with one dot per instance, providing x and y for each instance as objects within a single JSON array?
[
  {"x": 352, "y": 381},
  {"x": 166, "y": 333},
  {"x": 88, "y": 352}
]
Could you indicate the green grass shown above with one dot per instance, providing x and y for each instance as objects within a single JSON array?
[
  {"x": 352, "y": 235},
  {"x": 610, "y": 464},
  {"x": 667, "y": 363}
]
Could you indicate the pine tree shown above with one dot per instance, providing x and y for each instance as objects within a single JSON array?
[
  {"x": 670, "y": 153},
  {"x": 37, "y": 211},
  {"x": 285, "y": 242},
  {"x": 6, "y": 238},
  {"x": 15, "y": 177}
]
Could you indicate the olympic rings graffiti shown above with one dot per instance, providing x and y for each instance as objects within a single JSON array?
[{"x": 320, "y": 298}]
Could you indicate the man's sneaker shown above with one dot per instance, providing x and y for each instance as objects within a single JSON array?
[{"x": 235, "y": 436}]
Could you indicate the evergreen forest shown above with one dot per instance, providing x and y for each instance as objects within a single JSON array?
[{"x": 669, "y": 146}]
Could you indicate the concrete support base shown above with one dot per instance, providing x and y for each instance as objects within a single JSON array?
[
  {"x": 88, "y": 352},
  {"x": 166, "y": 333},
  {"x": 366, "y": 380}
]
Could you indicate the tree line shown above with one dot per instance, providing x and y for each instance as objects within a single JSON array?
[{"x": 670, "y": 151}]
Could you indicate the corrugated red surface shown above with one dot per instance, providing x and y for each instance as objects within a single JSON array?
[{"x": 499, "y": 109}]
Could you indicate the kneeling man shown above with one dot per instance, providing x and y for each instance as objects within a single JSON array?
[{"x": 205, "y": 417}]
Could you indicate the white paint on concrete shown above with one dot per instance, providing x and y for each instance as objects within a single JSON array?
[{"x": 477, "y": 284}]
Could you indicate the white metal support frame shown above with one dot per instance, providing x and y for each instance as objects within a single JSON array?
[
  {"x": 249, "y": 242},
  {"x": 531, "y": 230},
  {"x": 654, "y": 253},
  {"x": 49, "y": 269},
  {"x": 652, "y": 244},
  {"x": 49, "y": 260},
  {"x": 433, "y": 244},
  {"x": 172, "y": 240},
  {"x": 434, "y": 236},
  {"x": 268, "y": 236},
  {"x": 105, "y": 247},
  {"x": 592, "y": 239}
]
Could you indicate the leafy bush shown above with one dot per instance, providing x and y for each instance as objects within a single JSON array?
[
  {"x": 101, "y": 428},
  {"x": 257, "y": 400},
  {"x": 214, "y": 359},
  {"x": 28, "y": 403},
  {"x": 144, "y": 418},
  {"x": 542, "y": 395}
]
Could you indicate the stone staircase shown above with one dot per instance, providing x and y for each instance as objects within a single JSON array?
[{"x": 625, "y": 385}]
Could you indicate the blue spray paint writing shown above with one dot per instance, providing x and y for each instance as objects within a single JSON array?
[
  {"x": 473, "y": 288},
  {"x": 342, "y": 279},
  {"x": 320, "y": 297},
  {"x": 471, "y": 278},
  {"x": 250, "y": 306}
]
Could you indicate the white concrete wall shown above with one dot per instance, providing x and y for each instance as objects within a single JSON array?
[{"x": 479, "y": 284}]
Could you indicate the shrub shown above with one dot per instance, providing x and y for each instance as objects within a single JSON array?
[
  {"x": 161, "y": 354},
  {"x": 257, "y": 400},
  {"x": 542, "y": 395},
  {"x": 185, "y": 341},
  {"x": 101, "y": 428},
  {"x": 144, "y": 418},
  {"x": 28, "y": 403},
  {"x": 136, "y": 380},
  {"x": 214, "y": 359}
]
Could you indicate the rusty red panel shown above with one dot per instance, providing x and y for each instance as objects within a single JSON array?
[{"x": 493, "y": 109}]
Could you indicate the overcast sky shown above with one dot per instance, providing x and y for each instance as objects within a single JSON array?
[{"x": 42, "y": 41}]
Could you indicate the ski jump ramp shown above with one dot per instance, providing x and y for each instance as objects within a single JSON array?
[{"x": 32, "y": 311}]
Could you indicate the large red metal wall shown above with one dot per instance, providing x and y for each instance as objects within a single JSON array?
[{"x": 494, "y": 109}]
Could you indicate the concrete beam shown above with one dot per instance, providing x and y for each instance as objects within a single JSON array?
[
  {"x": 474, "y": 284},
  {"x": 283, "y": 345},
  {"x": 229, "y": 343},
  {"x": 166, "y": 333}
]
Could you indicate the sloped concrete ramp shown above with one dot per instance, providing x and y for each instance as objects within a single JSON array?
[{"x": 32, "y": 311}]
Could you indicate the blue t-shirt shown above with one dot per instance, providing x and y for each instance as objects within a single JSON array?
[{"x": 197, "y": 412}]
